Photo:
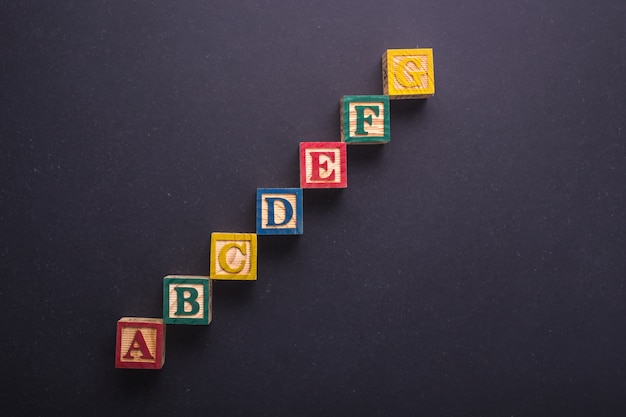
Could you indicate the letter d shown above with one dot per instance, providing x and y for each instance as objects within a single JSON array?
[{"x": 271, "y": 220}]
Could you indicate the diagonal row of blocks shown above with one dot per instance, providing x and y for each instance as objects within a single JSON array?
[{"x": 187, "y": 299}]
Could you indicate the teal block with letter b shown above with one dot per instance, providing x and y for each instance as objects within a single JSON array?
[{"x": 187, "y": 299}]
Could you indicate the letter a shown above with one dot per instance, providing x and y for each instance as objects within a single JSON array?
[{"x": 138, "y": 343}]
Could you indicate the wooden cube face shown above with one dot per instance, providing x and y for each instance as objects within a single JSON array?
[
  {"x": 323, "y": 165},
  {"x": 233, "y": 256},
  {"x": 140, "y": 343},
  {"x": 187, "y": 299},
  {"x": 408, "y": 73},
  {"x": 279, "y": 211},
  {"x": 365, "y": 119}
]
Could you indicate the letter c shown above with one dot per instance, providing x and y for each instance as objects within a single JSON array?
[{"x": 224, "y": 263}]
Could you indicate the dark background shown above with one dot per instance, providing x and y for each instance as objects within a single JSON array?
[{"x": 474, "y": 266}]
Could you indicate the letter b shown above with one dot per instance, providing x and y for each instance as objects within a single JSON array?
[{"x": 191, "y": 298}]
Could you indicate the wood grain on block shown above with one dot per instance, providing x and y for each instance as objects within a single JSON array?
[
  {"x": 365, "y": 119},
  {"x": 408, "y": 73},
  {"x": 279, "y": 211},
  {"x": 233, "y": 256},
  {"x": 187, "y": 299},
  {"x": 323, "y": 165},
  {"x": 140, "y": 343}
]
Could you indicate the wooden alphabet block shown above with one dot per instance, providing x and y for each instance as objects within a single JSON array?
[
  {"x": 365, "y": 119},
  {"x": 187, "y": 299},
  {"x": 279, "y": 211},
  {"x": 140, "y": 343},
  {"x": 408, "y": 73},
  {"x": 233, "y": 256},
  {"x": 323, "y": 165}
]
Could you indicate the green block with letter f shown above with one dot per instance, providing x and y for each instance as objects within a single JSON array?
[{"x": 365, "y": 119}]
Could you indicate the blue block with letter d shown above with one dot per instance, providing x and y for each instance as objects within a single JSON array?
[{"x": 279, "y": 211}]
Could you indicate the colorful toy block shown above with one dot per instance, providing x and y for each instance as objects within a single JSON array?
[
  {"x": 408, "y": 73},
  {"x": 140, "y": 343},
  {"x": 279, "y": 211},
  {"x": 323, "y": 165},
  {"x": 233, "y": 256},
  {"x": 187, "y": 299},
  {"x": 365, "y": 119}
]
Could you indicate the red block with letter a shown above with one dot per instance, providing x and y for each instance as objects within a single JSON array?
[
  {"x": 323, "y": 165},
  {"x": 140, "y": 343}
]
